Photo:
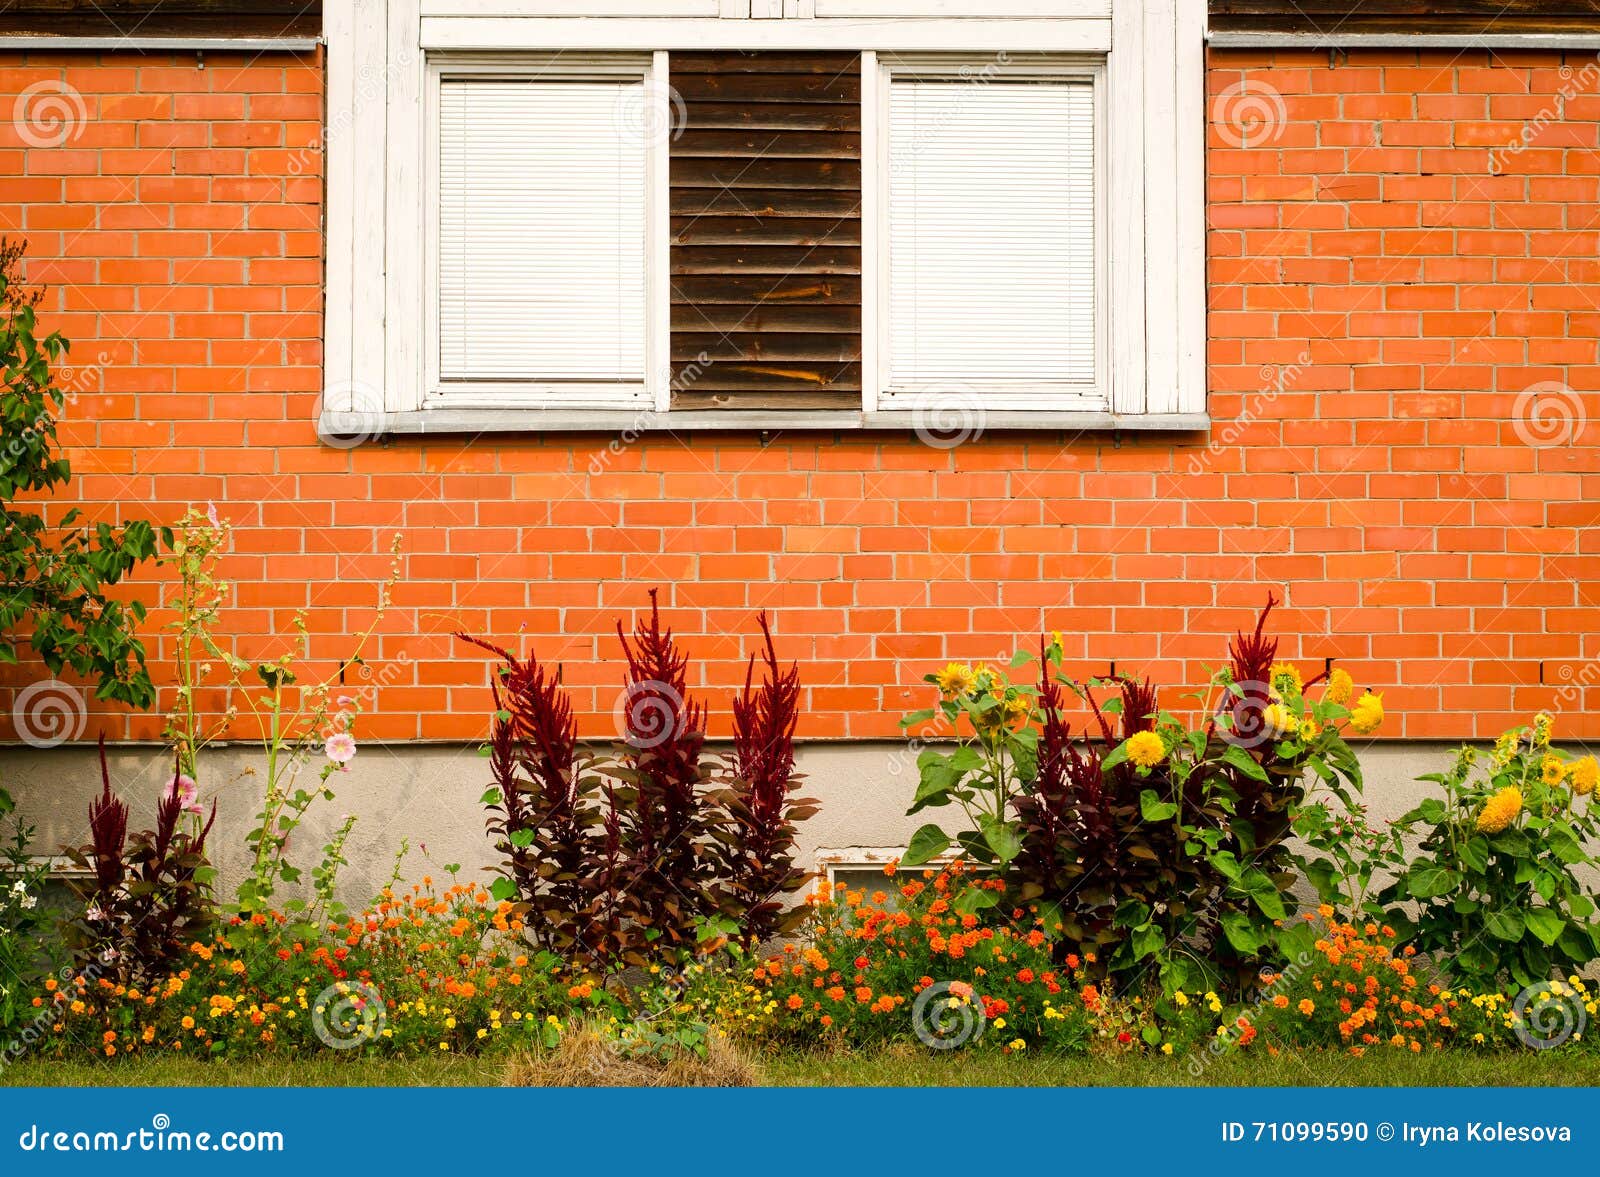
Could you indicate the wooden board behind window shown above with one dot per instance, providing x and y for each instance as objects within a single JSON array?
[{"x": 766, "y": 231}]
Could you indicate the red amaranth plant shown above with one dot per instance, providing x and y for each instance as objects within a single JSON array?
[
  {"x": 542, "y": 812},
  {"x": 151, "y": 894},
  {"x": 665, "y": 820},
  {"x": 761, "y": 810},
  {"x": 613, "y": 859}
]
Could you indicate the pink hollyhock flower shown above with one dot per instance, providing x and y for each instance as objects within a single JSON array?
[
  {"x": 341, "y": 748},
  {"x": 186, "y": 790}
]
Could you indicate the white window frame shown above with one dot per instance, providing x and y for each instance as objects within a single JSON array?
[
  {"x": 879, "y": 72},
  {"x": 651, "y": 391},
  {"x": 382, "y": 54}
]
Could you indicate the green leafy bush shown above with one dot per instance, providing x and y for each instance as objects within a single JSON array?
[
  {"x": 1494, "y": 889},
  {"x": 57, "y": 579}
]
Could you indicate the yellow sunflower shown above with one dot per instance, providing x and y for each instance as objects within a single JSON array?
[
  {"x": 1500, "y": 810},
  {"x": 957, "y": 678}
]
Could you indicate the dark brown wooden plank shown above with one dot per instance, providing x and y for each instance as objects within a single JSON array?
[
  {"x": 816, "y": 116},
  {"x": 1332, "y": 17},
  {"x": 767, "y": 62},
  {"x": 738, "y": 174},
  {"x": 765, "y": 202},
  {"x": 760, "y": 87},
  {"x": 758, "y": 398},
  {"x": 765, "y": 346},
  {"x": 162, "y": 18},
  {"x": 767, "y": 289},
  {"x": 766, "y": 256},
  {"x": 777, "y": 375},
  {"x": 766, "y": 259},
  {"x": 770, "y": 143},
  {"x": 767, "y": 230},
  {"x": 812, "y": 318}
]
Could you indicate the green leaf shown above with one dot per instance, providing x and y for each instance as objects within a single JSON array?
[
  {"x": 1512, "y": 843},
  {"x": 1545, "y": 923},
  {"x": 1227, "y": 864},
  {"x": 521, "y": 839},
  {"x": 927, "y": 843},
  {"x": 973, "y": 900},
  {"x": 1504, "y": 924},
  {"x": 1236, "y": 926},
  {"x": 1003, "y": 838},
  {"x": 1265, "y": 892},
  {"x": 490, "y": 797},
  {"x": 1431, "y": 880},
  {"x": 1245, "y": 763},
  {"x": 503, "y": 890},
  {"x": 1146, "y": 941},
  {"x": 1475, "y": 853},
  {"x": 1152, "y": 808}
]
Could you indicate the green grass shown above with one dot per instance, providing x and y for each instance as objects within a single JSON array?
[{"x": 889, "y": 1068}]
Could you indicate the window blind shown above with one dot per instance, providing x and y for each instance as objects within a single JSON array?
[
  {"x": 991, "y": 232},
  {"x": 541, "y": 251}
]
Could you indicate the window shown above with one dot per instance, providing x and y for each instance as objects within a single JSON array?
[
  {"x": 541, "y": 240},
  {"x": 537, "y": 254},
  {"x": 735, "y": 214},
  {"x": 991, "y": 283}
]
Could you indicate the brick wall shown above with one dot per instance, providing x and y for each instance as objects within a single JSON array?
[{"x": 1380, "y": 299}]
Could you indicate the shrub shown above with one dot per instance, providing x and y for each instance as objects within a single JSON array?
[
  {"x": 295, "y": 722},
  {"x": 1496, "y": 879},
  {"x": 25, "y": 948},
  {"x": 59, "y": 579},
  {"x": 657, "y": 850},
  {"x": 762, "y": 811},
  {"x": 912, "y": 968},
  {"x": 1148, "y": 840},
  {"x": 545, "y": 816},
  {"x": 417, "y": 972},
  {"x": 149, "y": 896},
  {"x": 665, "y": 823}
]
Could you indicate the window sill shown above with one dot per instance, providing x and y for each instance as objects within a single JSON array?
[{"x": 346, "y": 429}]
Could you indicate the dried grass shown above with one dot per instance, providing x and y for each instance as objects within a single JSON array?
[{"x": 588, "y": 1057}]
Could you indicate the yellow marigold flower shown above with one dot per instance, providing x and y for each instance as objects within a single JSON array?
[
  {"x": 1280, "y": 719},
  {"x": 1166, "y": 1048},
  {"x": 1583, "y": 773},
  {"x": 1146, "y": 749},
  {"x": 1551, "y": 770},
  {"x": 1367, "y": 714},
  {"x": 1500, "y": 810},
  {"x": 957, "y": 678},
  {"x": 1340, "y": 687},
  {"x": 1285, "y": 677}
]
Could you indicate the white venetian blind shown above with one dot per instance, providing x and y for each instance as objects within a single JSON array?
[
  {"x": 991, "y": 232},
  {"x": 541, "y": 231}
]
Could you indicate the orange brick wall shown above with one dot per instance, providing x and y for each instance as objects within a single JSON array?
[{"x": 1379, "y": 299}]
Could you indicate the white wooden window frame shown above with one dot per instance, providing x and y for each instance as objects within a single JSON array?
[
  {"x": 879, "y": 73},
  {"x": 651, "y": 391},
  {"x": 381, "y": 53}
]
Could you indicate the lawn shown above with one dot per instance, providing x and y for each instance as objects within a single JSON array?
[{"x": 882, "y": 1069}]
